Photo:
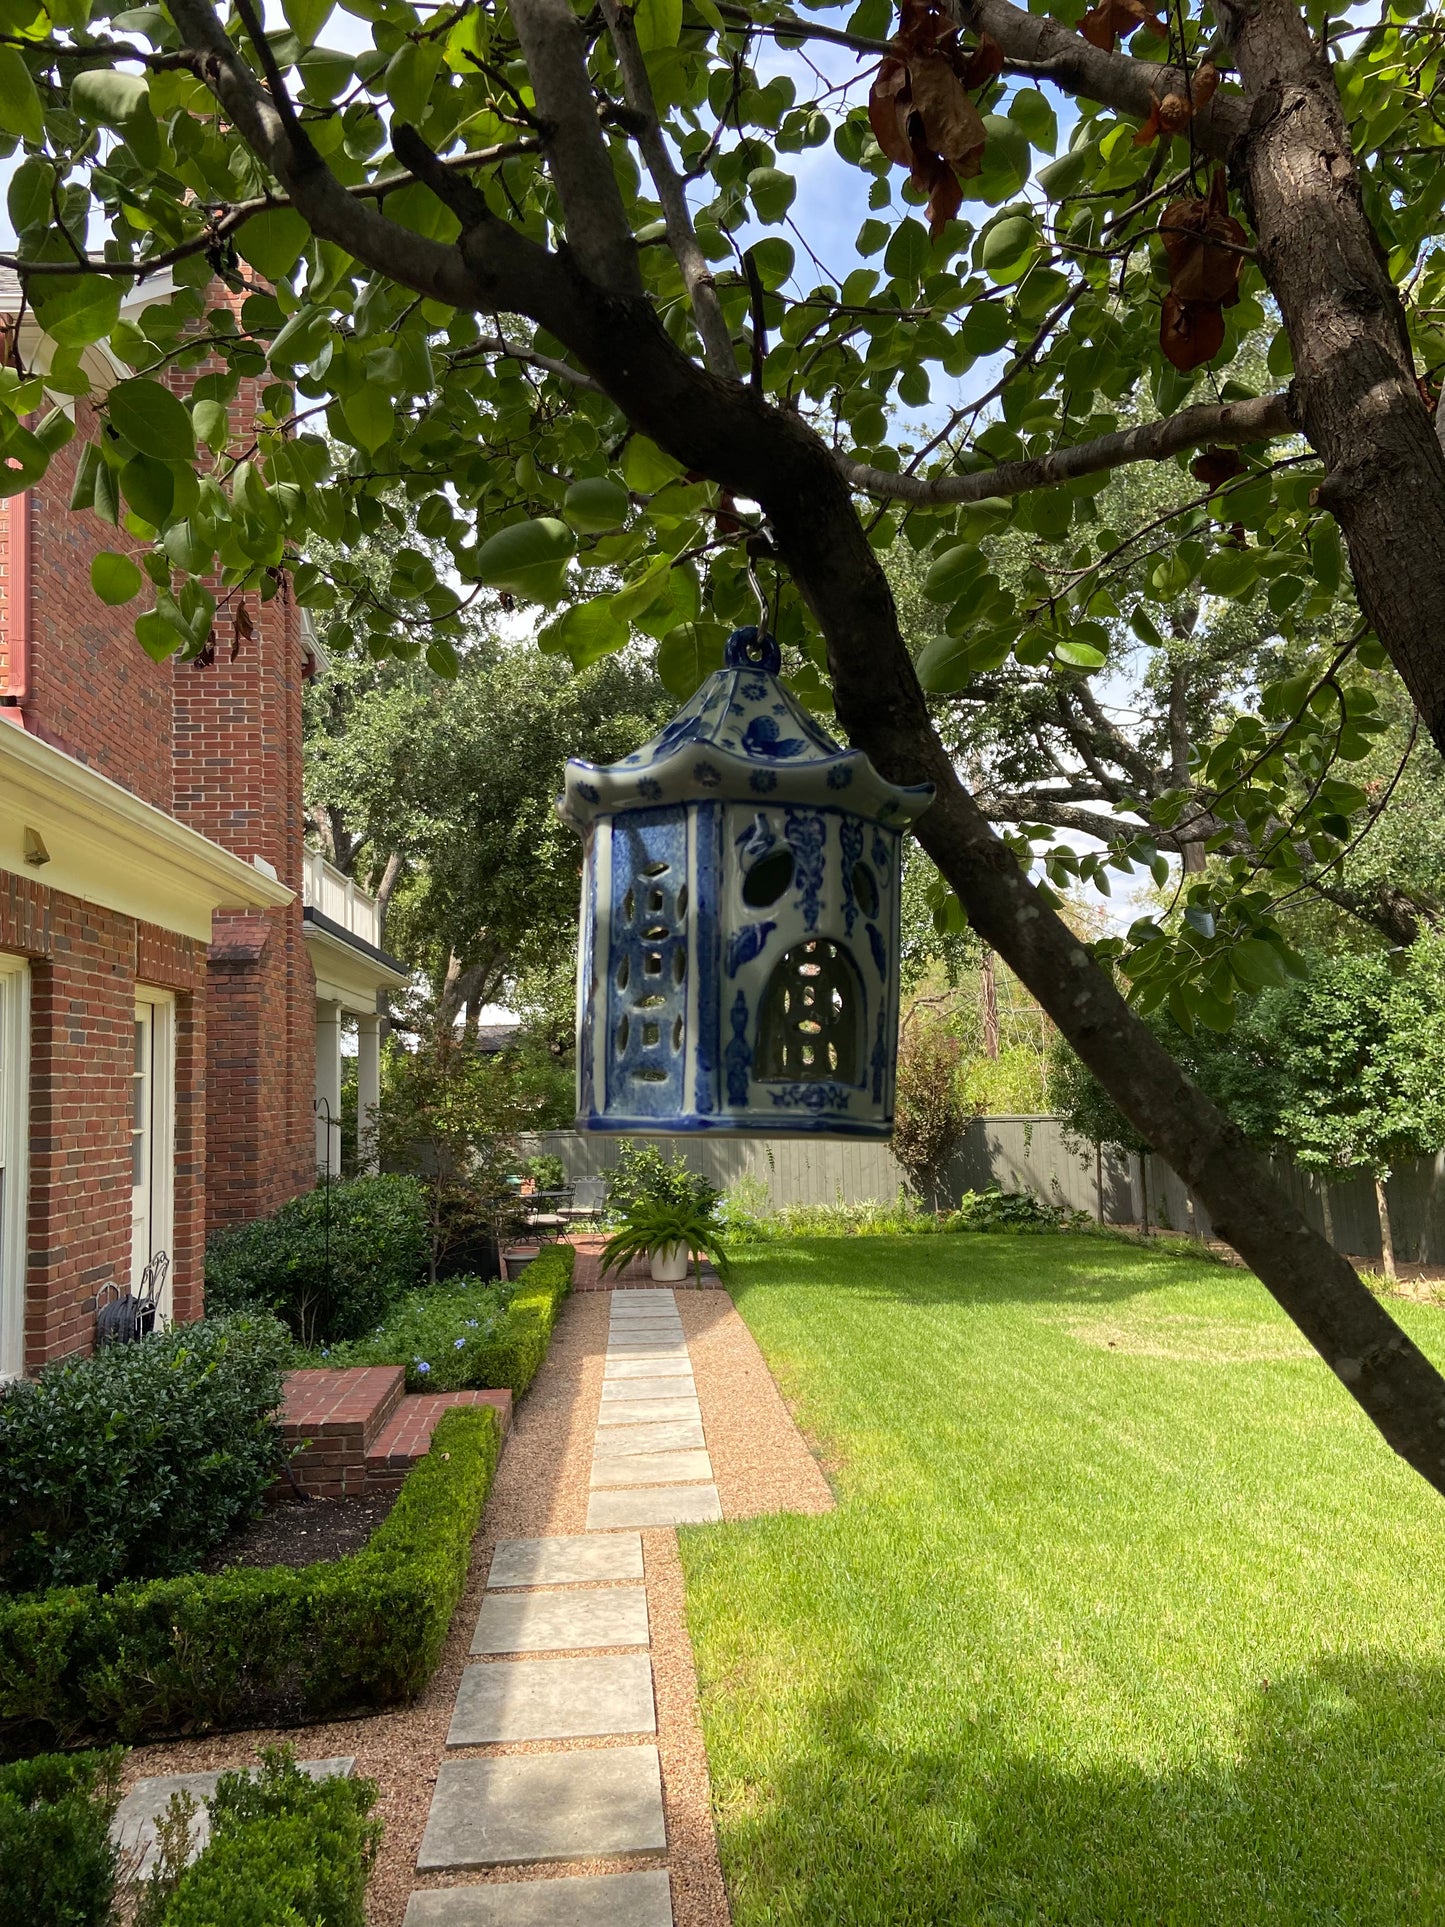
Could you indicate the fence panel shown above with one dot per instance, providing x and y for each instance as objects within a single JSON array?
[{"x": 1036, "y": 1154}]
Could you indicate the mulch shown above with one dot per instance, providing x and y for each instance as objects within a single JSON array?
[{"x": 301, "y": 1533}]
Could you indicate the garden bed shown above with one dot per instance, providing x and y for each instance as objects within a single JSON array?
[{"x": 309, "y": 1533}]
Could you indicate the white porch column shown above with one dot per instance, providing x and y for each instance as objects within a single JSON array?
[
  {"x": 368, "y": 1088},
  {"x": 328, "y": 1085}
]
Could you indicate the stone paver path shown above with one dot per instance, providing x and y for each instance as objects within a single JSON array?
[{"x": 561, "y": 1653}]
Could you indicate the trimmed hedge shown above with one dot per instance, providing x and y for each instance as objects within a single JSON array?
[
  {"x": 284, "y": 1849},
  {"x": 132, "y": 1463},
  {"x": 57, "y": 1862},
  {"x": 465, "y": 1333},
  {"x": 255, "y": 1647}
]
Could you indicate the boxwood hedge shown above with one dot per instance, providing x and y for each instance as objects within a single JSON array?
[{"x": 255, "y": 1647}]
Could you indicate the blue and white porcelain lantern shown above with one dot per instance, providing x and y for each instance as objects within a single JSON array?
[{"x": 738, "y": 967}]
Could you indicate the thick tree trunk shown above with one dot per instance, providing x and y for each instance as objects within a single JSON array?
[{"x": 1354, "y": 390}]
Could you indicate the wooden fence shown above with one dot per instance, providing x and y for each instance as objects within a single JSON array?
[{"x": 1036, "y": 1154}]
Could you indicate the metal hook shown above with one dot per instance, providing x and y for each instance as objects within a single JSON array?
[{"x": 757, "y": 588}]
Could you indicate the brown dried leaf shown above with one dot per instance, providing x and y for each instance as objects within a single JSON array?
[
  {"x": 1173, "y": 114},
  {"x": 944, "y": 200},
  {"x": 943, "y": 120},
  {"x": 1204, "y": 85},
  {"x": 888, "y": 99},
  {"x": 1216, "y": 466},
  {"x": 1190, "y": 332},
  {"x": 242, "y": 628},
  {"x": 1106, "y": 21},
  {"x": 984, "y": 64}
]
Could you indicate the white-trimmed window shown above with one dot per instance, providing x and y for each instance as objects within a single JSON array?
[
  {"x": 14, "y": 1158},
  {"x": 153, "y": 1134}
]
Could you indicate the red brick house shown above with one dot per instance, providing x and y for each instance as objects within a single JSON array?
[{"x": 159, "y": 1001}]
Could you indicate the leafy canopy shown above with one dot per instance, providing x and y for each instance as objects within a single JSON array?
[{"x": 949, "y": 267}]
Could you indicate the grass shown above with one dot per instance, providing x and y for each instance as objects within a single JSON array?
[{"x": 1125, "y": 1614}]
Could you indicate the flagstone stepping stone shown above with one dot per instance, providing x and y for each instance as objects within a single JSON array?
[
  {"x": 674, "y": 1357},
  {"x": 675, "y": 1386},
  {"x": 578, "y": 1900},
  {"x": 614, "y": 1412},
  {"x": 622, "y": 1441},
  {"x": 651, "y": 1468},
  {"x": 659, "y": 1505},
  {"x": 561, "y": 1622},
  {"x": 644, "y": 1367},
  {"x": 554, "y": 1699},
  {"x": 515, "y": 1808},
  {"x": 134, "y": 1826},
  {"x": 569, "y": 1561}
]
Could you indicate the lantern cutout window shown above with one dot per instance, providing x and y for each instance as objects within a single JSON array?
[{"x": 738, "y": 965}]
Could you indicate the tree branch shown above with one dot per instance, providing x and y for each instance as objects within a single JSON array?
[
  {"x": 1259, "y": 420},
  {"x": 555, "y": 49},
  {"x": 1116, "y": 80},
  {"x": 697, "y": 275}
]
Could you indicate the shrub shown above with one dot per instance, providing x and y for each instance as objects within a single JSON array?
[
  {"x": 252, "y": 1647},
  {"x": 325, "y": 1282},
  {"x": 749, "y": 1220},
  {"x": 645, "y": 1175},
  {"x": 546, "y": 1170},
  {"x": 466, "y": 1333},
  {"x": 57, "y": 1863},
  {"x": 995, "y": 1210},
  {"x": 284, "y": 1849},
  {"x": 136, "y": 1461}
]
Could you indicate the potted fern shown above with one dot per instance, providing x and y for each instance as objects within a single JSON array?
[{"x": 671, "y": 1233}]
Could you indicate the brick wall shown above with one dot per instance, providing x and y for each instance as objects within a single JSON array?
[
  {"x": 93, "y": 690},
  {"x": 85, "y": 964}
]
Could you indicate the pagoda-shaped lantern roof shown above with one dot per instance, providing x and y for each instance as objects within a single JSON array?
[{"x": 741, "y": 737}]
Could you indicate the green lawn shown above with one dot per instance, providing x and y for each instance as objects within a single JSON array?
[{"x": 1125, "y": 1614}]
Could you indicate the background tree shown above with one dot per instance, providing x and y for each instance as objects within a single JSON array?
[{"x": 646, "y": 412}]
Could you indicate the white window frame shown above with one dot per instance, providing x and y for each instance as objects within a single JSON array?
[
  {"x": 160, "y": 1007},
  {"x": 14, "y": 1159}
]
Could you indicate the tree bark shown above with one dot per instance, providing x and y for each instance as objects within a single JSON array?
[
  {"x": 1355, "y": 392},
  {"x": 1387, "y": 1238},
  {"x": 988, "y": 986}
]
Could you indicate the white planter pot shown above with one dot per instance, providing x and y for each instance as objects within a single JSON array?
[{"x": 669, "y": 1266}]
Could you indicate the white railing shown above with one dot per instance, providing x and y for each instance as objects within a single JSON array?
[{"x": 324, "y": 888}]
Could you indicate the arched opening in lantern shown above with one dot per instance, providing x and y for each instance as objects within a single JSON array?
[{"x": 810, "y": 1020}]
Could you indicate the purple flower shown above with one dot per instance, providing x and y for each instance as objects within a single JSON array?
[
  {"x": 460, "y": 1343},
  {"x": 422, "y": 1365}
]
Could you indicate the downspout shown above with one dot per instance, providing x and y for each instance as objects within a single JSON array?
[{"x": 17, "y": 692}]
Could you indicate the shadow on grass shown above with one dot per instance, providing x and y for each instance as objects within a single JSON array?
[
  {"x": 1333, "y": 1811},
  {"x": 971, "y": 1268}
]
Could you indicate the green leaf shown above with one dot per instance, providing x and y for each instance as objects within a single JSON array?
[
  {"x": 1007, "y": 249},
  {"x": 272, "y": 242},
  {"x": 1033, "y": 114},
  {"x": 954, "y": 571},
  {"x": 596, "y": 505},
  {"x": 112, "y": 98},
  {"x": 1257, "y": 964},
  {"x": 75, "y": 310},
  {"x": 149, "y": 487},
  {"x": 529, "y": 559},
  {"x": 370, "y": 416},
  {"x": 773, "y": 258},
  {"x": 772, "y": 192},
  {"x": 212, "y": 422},
  {"x": 159, "y": 638},
  {"x": 28, "y": 198},
  {"x": 152, "y": 419},
  {"x": 1231, "y": 572},
  {"x": 908, "y": 253},
  {"x": 644, "y": 466},
  {"x": 947, "y": 663},
  {"x": 586, "y": 632},
  {"x": 658, "y": 24},
  {"x": 1079, "y": 655},
  {"x": 1325, "y": 554},
  {"x": 307, "y": 18},
  {"x": 115, "y": 578},
  {"x": 20, "y": 109},
  {"x": 688, "y": 655},
  {"x": 986, "y": 327}
]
